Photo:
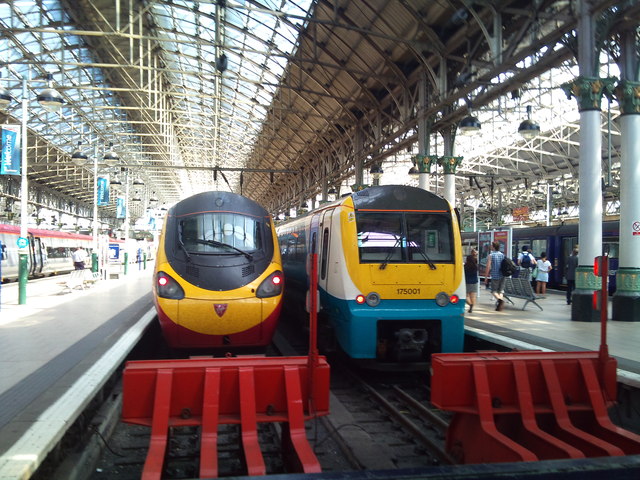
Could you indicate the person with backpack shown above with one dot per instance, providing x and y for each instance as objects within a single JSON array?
[
  {"x": 526, "y": 261},
  {"x": 493, "y": 272}
]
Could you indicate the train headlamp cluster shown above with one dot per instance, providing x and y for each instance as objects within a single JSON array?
[
  {"x": 271, "y": 286},
  {"x": 442, "y": 299},
  {"x": 168, "y": 287}
]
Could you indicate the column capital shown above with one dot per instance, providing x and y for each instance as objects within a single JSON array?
[
  {"x": 627, "y": 93},
  {"x": 425, "y": 162},
  {"x": 588, "y": 91},
  {"x": 449, "y": 163}
]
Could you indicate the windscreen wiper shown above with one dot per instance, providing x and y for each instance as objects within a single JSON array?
[
  {"x": 215, "y": 243},
  {"x": 383, "y": 265},
  {"x": 181, "y": 244},
  {"x": 184, "y": 249},
  {"x": 426, "y": 257}
]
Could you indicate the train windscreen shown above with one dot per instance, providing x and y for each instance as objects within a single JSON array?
[
  {"x": 220, "y": 233},
  {"x": 397, "y": 237}
]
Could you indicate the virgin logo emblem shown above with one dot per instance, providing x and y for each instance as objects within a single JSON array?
[{"x": 220, "y": 308}]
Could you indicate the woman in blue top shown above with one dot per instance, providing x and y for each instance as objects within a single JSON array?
[{"x": 471, "y": 278}]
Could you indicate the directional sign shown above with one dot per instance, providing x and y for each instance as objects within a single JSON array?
[{"x": 22, "y": 242}]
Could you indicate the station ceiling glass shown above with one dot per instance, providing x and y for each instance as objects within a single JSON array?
[{"x": 280, "y": 99}]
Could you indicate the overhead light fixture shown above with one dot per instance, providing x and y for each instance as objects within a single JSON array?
[
  {"x": 49, "y": 98},
  {"x": 528, "y": 128},
  {"x": 469, "y": 125},
  {"x": 414, "y": 172},
  {"x": 136, "y": 199},
  {"x": 115, "y": 181},
  {"x": 111, "y": 158},
  {"x": 78, "y": 157},
  {"x": 138, "y": 181},
  {"x": 376, "y": 171},
  {"x": 332, "y": 191}
]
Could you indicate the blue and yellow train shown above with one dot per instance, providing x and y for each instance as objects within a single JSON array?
[
  {"x": 218, "y": 276},
  {"x": 390, "y": 275}
]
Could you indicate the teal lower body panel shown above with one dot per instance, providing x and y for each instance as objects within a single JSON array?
[{"x": 395, "y": 330}]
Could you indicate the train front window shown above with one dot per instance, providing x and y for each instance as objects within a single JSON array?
[
  {"x": 390, "y": 237},
  {"x": 215, "y": 233},
  {"x": 380, "y": 237},
  {"x": 429, "y": 237}
]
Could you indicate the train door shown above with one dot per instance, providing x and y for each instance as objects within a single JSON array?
[
  {"x": 323, "y": 260},
  {"x": 34, "y": 256}
]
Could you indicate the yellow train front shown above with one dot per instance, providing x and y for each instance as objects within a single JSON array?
[{"x": 218, "y": 278}]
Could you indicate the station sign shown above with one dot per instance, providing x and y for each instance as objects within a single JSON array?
[{"x": 22, "y": 242}]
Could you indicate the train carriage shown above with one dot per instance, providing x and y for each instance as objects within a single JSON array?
[
  {"x": 390, "y": 273},
  {"x": 48, "y": 251},
  {"x": 558, "y": 242}
]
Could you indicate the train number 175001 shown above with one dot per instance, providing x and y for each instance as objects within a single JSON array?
[{"x": 408, "y": 291}]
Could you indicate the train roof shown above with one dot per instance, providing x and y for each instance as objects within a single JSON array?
[
  {"x": 41, "y": 232},
  {"x": 216, "y": 201}
]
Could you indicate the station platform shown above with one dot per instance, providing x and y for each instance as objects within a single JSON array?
[
  {"x": 553, "y": 330},
  {"x": 56, "y": 353}
]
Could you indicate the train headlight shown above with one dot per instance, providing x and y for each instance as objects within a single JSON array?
[
  {"x": 167, "y": 287},
  {"x": 454, "y": 299},
  {"x": 271, "y": 286},
  {"x": 442, "y": 299},
  {"x": 360, "y": 299},
  {"x": 373, "y": 299}
]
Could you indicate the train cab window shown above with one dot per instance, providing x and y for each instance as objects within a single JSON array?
[
  {"x": 380, "y": 237},
  {"x": 429, "y": 237},
  {"x": 215, "y": 233}
]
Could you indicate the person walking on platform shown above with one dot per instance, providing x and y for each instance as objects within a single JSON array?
[
  {"x": 572, "y": 264},
  {"x": 471, "y": 278},
  {"x": 78, "y": 257},
  {"x": 494, "y": 261},
  {"x": 544, "y": 267}
]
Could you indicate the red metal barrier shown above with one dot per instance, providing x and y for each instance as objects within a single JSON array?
[
  {"x": 213, "y": 391},
  {"x": 523, "y": 406}
]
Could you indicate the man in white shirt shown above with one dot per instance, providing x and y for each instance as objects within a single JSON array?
[{"x": 78, "y": 257}]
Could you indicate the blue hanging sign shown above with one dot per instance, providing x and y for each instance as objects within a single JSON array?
[
  {"x": 121, "y": 208},
  {"x": 103, "y": 191},
  {"x": 11, "y": 152}
]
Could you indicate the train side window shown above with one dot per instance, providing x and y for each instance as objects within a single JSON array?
[
  {"x": 325, "y": 251},
  {"x": 4, "y": 251},
  {"x": 539, "y": 246}
]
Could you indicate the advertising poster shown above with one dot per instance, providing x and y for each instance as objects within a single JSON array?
[
  {"x": 11, "y": 152},
  {"x": 503, "y": 238}
]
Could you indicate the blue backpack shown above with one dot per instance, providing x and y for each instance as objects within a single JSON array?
[{"x": 526, "y": 260}]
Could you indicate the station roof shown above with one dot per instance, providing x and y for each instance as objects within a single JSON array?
[{"x": 277, "y": 99}]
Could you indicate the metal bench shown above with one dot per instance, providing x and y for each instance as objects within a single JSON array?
[
  {"x": 79, "y": 279},
  {"x": 520, "y": 287},
  {"x": 75, "y": 280}
]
